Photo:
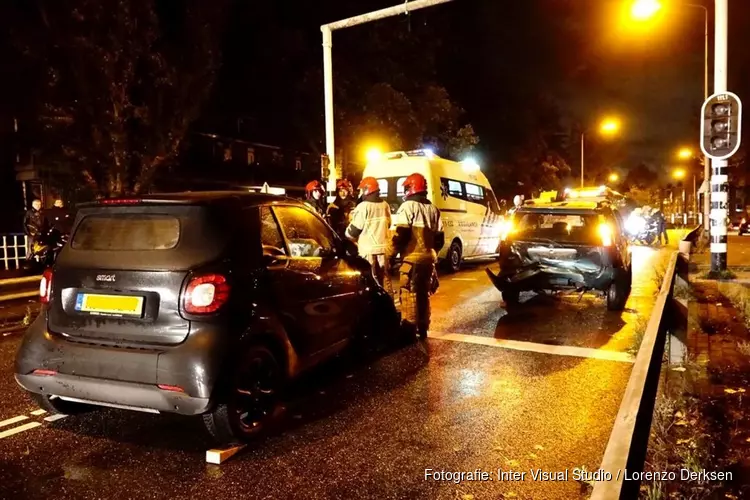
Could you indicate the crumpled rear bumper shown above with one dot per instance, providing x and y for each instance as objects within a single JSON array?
[{"x": 540, "y": 277}]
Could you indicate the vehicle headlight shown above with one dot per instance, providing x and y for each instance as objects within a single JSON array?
[{"x": 635, "y": 224}]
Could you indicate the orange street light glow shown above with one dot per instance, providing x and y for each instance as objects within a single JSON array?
[
  {"x": 678, "y": 174},
  {"x": 373, "y": 154},
  {"x": 614, "y": 177},
  {"x": 685, "y": 153},
  {"x": 610, "y": 126},
  {"x": 643, "y": 10}
]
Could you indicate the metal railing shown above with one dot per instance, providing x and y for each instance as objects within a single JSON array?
[
  {"x": 13, "y": 251},
  {"x": 626, "y": 450}
]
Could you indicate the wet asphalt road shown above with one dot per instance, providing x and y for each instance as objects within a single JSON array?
[{"x": 514, "y": 391}]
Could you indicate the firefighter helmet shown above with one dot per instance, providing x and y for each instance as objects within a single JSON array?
[
  {"x": 369, "y": 185},
  {"x": 414, "y": 184}
]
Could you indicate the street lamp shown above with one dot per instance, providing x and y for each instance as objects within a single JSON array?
[
  {"x": 685, "y": 154},
  {"x": 373, "y": 154},
  {"x": 614, "y": 177},
  {"x": 607, "y": 127},
  {"x": 644, "y": 10},
  {"x": 678, "y": 173}
]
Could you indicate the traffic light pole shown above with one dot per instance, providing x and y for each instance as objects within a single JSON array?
[
  {"x": 719, "y": 170},
  {"x": 327, "y": 30}
]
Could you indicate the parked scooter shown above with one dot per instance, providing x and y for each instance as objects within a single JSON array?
[
  {"x": 640, "y": 229},
  {"x": 45, "y": 250}
]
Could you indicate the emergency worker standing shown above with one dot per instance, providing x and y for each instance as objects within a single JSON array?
[
  {"x": 370, "y": 228},
  {"x": 338, "y": 212},
  {"x": 315, "y": 196},
  {"x": 419, "y": 236}
]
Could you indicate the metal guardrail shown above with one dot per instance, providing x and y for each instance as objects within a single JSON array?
[
  {"x": 628, "y": 443},
  {"x": 626, "y": 450},
  {"x": 14, "y": 289},
  {"x": 13, "y": 251}
]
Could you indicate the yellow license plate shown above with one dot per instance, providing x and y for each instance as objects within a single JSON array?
[{"x": 109, "y": 304}]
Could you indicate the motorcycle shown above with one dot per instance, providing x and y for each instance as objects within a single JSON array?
[{"x": 642, "y": 229}]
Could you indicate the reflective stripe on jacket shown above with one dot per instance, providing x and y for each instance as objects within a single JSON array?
[{"x": 423, "y": 219}]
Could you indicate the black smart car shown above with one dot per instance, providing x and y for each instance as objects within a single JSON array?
[
  {"x": 197, "y": 304},
  {"x": 565, "y": 245}
]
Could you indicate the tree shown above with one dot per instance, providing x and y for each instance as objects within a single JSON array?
[
  {"x": 640, "y": 177},
  {"x": 124, "y": 80}
]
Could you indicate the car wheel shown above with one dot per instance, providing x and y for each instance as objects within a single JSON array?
[
  {"x": 453, "y": 259},
  {"x": 252, "y": 400},
  {"x": 57, "y": 406},
  {"x": 619, "y": 291},
  {"x": 511, "y": 297}
]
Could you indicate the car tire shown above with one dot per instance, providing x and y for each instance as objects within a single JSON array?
[
  {"x": 619, "y": 290},
  {"x": 511, "y": 297},
  {"x": 57, "y": 406},
  {"x": 454, "y": 257},
  {"x": 251, "y": 402}
]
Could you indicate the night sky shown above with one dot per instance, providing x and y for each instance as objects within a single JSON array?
[{"x": 493, "y": 56}]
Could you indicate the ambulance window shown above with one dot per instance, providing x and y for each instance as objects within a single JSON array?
[
  {"x": 383, "y": 185},
  {"x": 455, "y": 189},
  {"x": 474, "y": 193},
  {"x": 400, "y": 186}
]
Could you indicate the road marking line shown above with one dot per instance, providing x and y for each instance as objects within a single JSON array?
[
  {"x": 13, "y": 420},
  {"x": 561, "y": 350},
  {"x": 53, "y": 418},
  {"x": 38, "y": 412},
  {"x": 463, "y": 279},
  {"x": 16, "y": 296},
  {"x": 16, "y": 430}
]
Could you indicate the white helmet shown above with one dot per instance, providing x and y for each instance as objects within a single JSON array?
[{"x": 517, "y": 199}]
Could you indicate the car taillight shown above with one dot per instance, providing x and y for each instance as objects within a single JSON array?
[
  {"x": 45, "y": 286},
  {"x": 605, "y": 231},
  {"x": 205, "y": 294}
]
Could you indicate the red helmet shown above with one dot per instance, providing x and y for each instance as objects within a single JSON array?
[
  {"x": 415, "y": 183},
  {"x": 369, "y": 185},
  {"x": 314, "y": 186},
  {"x": 344, "y": 184}
]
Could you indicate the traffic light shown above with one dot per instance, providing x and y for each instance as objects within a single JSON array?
[
  {"x": 721, "y": 125},
  {"x": 325, "y": 170}
]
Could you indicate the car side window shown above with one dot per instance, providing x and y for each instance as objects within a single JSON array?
[
  {"x": 306, "y": 234},
  {"x": 270, "y": 234}
]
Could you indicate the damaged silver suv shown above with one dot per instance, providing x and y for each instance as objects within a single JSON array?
[{"x": 565, "y": 245}]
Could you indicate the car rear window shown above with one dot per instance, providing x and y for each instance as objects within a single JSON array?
[
  {"x": 557, "y": 227},
  {"x": 128, "y": 232}
]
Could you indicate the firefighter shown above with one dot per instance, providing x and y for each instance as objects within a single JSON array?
[
  {"x": 315, "y": 196},
  {"x": 370, "y": 228},
  {"x": 338, "y": 212},
  {"x": 419, "y": 237}
]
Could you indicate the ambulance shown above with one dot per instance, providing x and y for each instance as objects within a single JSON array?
[{"x": 471, "y": 215}]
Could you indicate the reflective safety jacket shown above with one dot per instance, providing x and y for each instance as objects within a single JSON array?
[
  {"x": 419, "y": 230},
  {"x": 370, "y": 226}
]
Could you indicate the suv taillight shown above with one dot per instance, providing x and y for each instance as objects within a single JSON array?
[
  {"x": 45, "y": 286},
  {"x": 205, "y": 294}
]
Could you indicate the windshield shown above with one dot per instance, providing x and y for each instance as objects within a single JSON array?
[{"x": 556, "y": 227}]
